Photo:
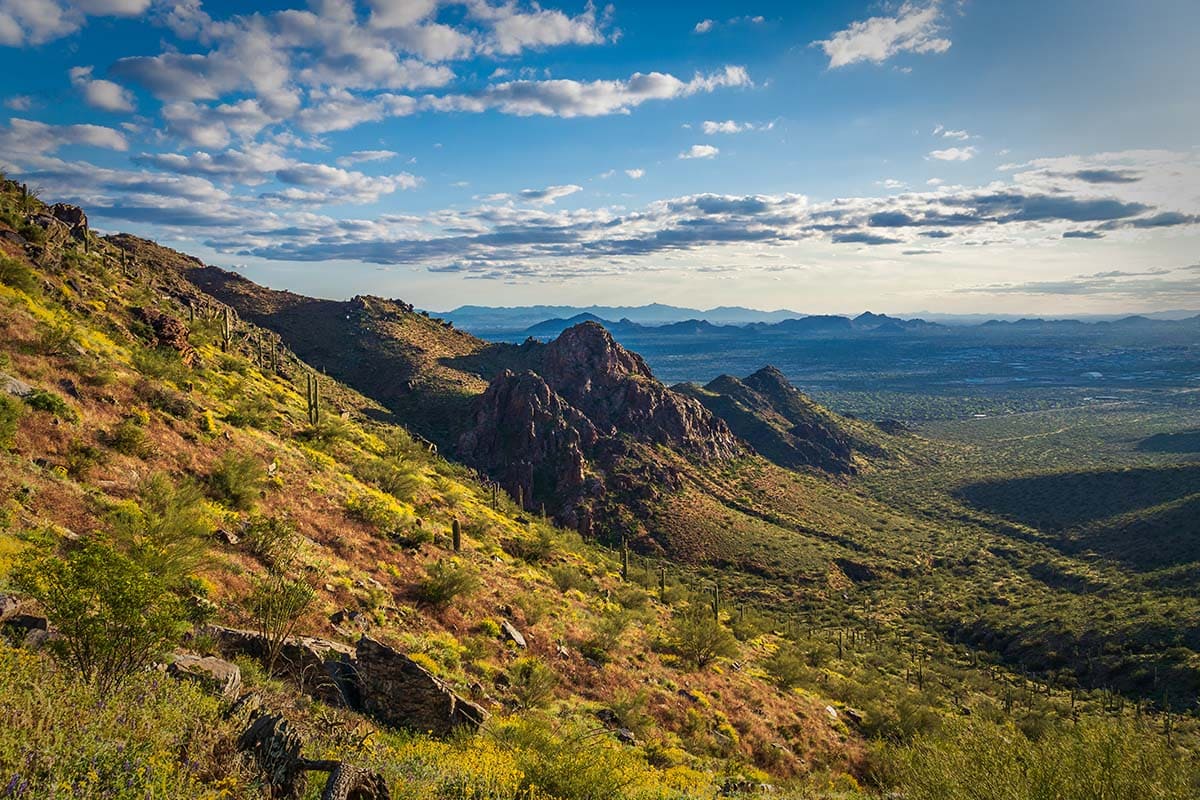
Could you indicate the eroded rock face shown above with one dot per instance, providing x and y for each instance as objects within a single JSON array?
[
  {"x": 217, "y": 676},
  {"x": 551, "y": 435},
  {"x": 321, "y": 667},
  {"x": 169, "y": 332},
  {"x": 400, "y": 692}
]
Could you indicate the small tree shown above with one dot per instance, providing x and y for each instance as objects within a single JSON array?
[
  {"x": 277, "y": 604},
  {"x": 699, "y": 639},
  {"x": 113, "y": 614}
]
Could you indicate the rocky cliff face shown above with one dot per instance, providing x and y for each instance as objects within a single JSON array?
[
  {"x": 780, "y": 422},
  {"x": 551, "y": 434}
]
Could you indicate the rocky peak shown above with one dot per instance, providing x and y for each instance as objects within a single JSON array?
[{"x": 587, "y": 354}]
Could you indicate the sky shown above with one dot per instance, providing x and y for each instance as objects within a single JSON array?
[{"x": 965, "y": 156}]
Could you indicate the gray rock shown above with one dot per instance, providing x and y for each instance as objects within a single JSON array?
[
  {"x": 512, "y": 633},
  {"x": 400, "y": 692},
  {"x": 8, "y": 606},
  {"x": 217, "y": 676},
  {"x": 16, "y": 388},
  {"x": 321, "y": 667}
]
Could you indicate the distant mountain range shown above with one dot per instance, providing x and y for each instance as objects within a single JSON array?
[
  {"x": 828, "y": 325},
  {"x": 545, "y": 320}
]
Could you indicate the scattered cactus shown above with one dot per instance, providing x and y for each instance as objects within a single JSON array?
[
  {"x": 313, "y": 399},
  {"x": 456, "y": 535}
]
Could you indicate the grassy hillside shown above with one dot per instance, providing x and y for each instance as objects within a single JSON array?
[{"x": 826, "y": 603}]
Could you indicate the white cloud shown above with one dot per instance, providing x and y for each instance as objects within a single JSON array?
[
  {"x": 539, "y": 197},
  {"x": 570, "y": 98},
  {"x": 362, "y": 156},
  {"x": 513, "y": 31},
  {"x": 19, "y": 102},
  {"x": 101, "y": 94},
  {"x": 27, "y": 137},
  {"x": 914, "y": 29},
  {"x": 730, "y": 126},
  {"x": 704, "y": 26},
  {"x": 700, "y": 151},
  {"x": 635, "y": 174},
  {"x": 34, "y": 22},
  {"x": 954, "y": 154}
]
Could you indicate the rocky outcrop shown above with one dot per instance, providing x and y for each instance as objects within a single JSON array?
[
  {"x": 323, "y": 668},
  {"x": 170, "y": 332},
  {"x": 551, "y": 433},
  {"x": 216, "y": 676},
  {"x": 780, "y": 422},
  {"x": 400, "y": 692}
]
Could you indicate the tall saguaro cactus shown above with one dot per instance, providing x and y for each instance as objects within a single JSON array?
[{"x": 313, "y": 398}]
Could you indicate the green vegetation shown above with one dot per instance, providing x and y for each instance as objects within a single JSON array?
[
  {"x": 237, "y": 480},
  {"x": 113, "y": 613},
  {"x": 445, "y": 582}
]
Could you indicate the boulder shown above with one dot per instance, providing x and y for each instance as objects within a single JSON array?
[
  {"x": 398, "y": 691},
  {"x": 217, "y": 676},
  {"x": 17, "y": 388},
  {"x": 511, "y": 633},
  {"x": 169, "y": 332},
  {"x": 8, "y": 606},
  {"x": 322, "y": 668}
]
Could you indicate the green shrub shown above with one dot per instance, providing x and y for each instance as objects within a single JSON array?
[
  {"x": 1093, "y": 758},
  {"x": 58, "y": 340},
  {"x": 51, "y": 403},
  {"x": 605, "y": 636},
  {"x": 81, "y": 457},
  {"x": 128, "y": 437},
  {"x": 567, "y": 577},
  {"x": 237, "y": 480},
  {"x": 531, "y": 682},
  {"x": 113, "y": 614},
  {"x": 531, "y": 549},
  {"x": 272, "y": 539},
  {"x": 698, "y": 639},
  {"x": 10, "y": 420},
  {"x": 398, "y": 477},
  {"x": 168, "y": 401},
  {"x": 162, "y": 363},
  {"x": 787, "y": 667},
  {"x": 16, "y": 275},
  {"x": 168, "y": 525},
  {"x": 277, "y": 604},
  {"x": 446, "y": 581}
]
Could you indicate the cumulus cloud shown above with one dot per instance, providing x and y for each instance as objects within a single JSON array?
[
  {"x": 34, "y": 22},
  {"x": 570, "y": 98},
  {"x": 712, "y": 128},
  {"x": 27, "y": 137},
  {"x": 700, "y": 151},
  {"x": 540, "y": 197},
  {"x": 703, "y": 26},
  {"x": 19, "y": 102},
  {"x": 361, "y": 156},
  {"x": 101, "y": 94},
  {"x": 914, "y": 29},
  {"x": 513, "y": 30},
  {"x": 635, "y": 174},
  {"x": 954, "y": 154}
]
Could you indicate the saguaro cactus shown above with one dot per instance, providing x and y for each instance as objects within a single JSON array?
[
  {"x": 313, "y": 399},
  {"x": 226, "y": 330},
  {"x": 456, "y": 534}
]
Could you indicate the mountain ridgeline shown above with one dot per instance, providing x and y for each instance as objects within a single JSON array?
[{"x": 577, "y": 427}]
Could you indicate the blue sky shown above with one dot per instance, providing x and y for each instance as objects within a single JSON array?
[{"x": 1022, "y": 156}]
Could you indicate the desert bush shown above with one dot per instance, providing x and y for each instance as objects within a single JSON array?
[
  {"x": 237, "y": 480},
  {"x": 163, "y": 399},
  {"x": 127, "y": 437},
  {"x": 531, "y": 683},
  {"x": 446, "y": 581},
  {"x": 605, "y": 635},
  {"x": 698, "y": 639},
  {"x": 168, "y": 526},
  {"x": 162, "y": 363},
  {"x": 114, "y": 615},
  {"x": 531, "y": 549},
  {"x": 276, "y": 605},
  {"x": 398, "y": 477},
  {"x": 81, "y": 458},
  {"x": 17, "y": 275},
  {"x": 58, "y": 340},
  {"x": 149, "y": 737},
  {"x": 567, "y": 577},
  {"x": 787, "y": 667},
  {"x": 51, "y": 403},
  {"x": 10, "y": 420},
  {"x": 271, "y": 539},
  {"x": 1093, "y": 758}
]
